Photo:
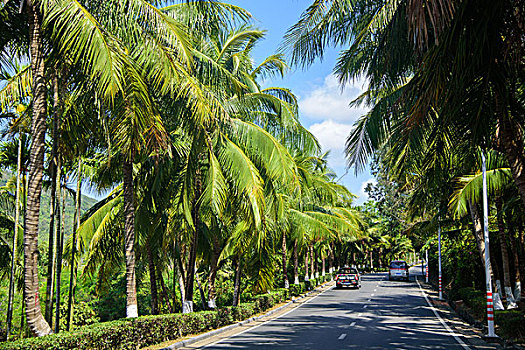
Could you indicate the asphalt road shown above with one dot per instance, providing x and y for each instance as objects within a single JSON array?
[{"x": 381, "y": 315}]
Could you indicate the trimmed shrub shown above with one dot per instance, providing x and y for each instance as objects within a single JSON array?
[{"x": 150, "y": 330}]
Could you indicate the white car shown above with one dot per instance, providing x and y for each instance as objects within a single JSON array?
[{"x": 398, "y": 270}]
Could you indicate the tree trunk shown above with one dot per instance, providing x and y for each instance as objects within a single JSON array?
[
  {"x": 283, "y": 255},
  {"x": 201, "y": 291},
  {"x": 212, "y": 297},
  {"x": 165, "y": 293},
  {"x": 504, "y": 255},
  {"x": 73, "y": 273},
  {"x": 15, "y": 238},
  {"x": 323, "y": 271},
  {"x": 153, "y": 282},
  {"x": 52, "y": 207},
  {"x": 190, "y": 271},
  {"x": 477, "y": 231},
  {"x": 295, "y": 263},
  {"x": 306, "y": 266},
  {"x": 312, "y": 269},
  {"x": 60, "y": 247},
  {"x": 37, "y": 323},
  {"x": 237, "y": 284},
  {"x": 511, "y": 138},
  {"x": 516, "y": 261},
  {"x": 129, "y": 228}
]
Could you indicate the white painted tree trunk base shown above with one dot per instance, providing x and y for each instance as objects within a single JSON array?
[
  {"x": 317, "y": 275},
  {"x": 498, "y": 304},
  {"x": 286, "y": 284},
  {"x": 187, "y": 307},
  {"x": 511, "y": 303},
  {"x": 517, "y": 291},
  {"x": 296, "y": 280},
  {"x": 132, "y": 311},
  {"x": 499, "y": 289},
  {"x": 323, "y": 274},
  {"x": 212, "y": 304},
  {"x": 306, "y": 278},
  {"x": 312, "y": 276}
]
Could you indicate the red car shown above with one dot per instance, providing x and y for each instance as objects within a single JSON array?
[{"x": 348, "y": 277}]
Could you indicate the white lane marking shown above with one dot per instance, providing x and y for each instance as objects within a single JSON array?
[
  {"x": 443, "y": 322},
  {"x": 342, "y": 336},
  {"x": 369, "y": 300},
  {"x": 372, "y": 294},
  {"x": 352, "y": 324},
  {"x": 265, "y": 322},
  {"x": 375, "y": 290},
  {"x": 360, "y": 314},
  {"x": 364, "y": 307}
]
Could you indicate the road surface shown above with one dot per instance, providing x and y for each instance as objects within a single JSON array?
[{"x": 381, "y": 315}]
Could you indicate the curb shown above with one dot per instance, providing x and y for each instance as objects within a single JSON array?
[{"x": 217, "y": 331}]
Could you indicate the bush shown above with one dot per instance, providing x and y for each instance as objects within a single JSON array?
[
  {"x": 511, "y": 324},
  {"x": 149, "y": 330}
]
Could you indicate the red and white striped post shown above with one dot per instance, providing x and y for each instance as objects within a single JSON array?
[
  {"x": 439, "y": 261},
  {"x": 426, "y": 272},
  {"x": 488, "y": 277}
]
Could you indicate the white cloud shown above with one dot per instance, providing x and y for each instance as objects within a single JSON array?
[
  {"x": 363, "y": 196},
  {"x": 329, "y": 102},
  {"x": 331, "y": 135}
]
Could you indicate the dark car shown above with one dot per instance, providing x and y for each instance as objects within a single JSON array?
[
  {"x": 348, "y": 277},
  {"x": 398, "y": 270}
]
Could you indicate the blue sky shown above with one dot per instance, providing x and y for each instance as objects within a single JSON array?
[{"x": 323, "y": 106}]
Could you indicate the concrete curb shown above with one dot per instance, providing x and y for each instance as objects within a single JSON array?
[{"x": 217, "y": 331}]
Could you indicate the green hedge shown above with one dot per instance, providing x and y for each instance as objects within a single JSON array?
[{"x": 150, "y": 330}]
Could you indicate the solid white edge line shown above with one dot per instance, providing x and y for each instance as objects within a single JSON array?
[
  {"x": 443, "y": 322},
  {"x": 265, "y": 322}
]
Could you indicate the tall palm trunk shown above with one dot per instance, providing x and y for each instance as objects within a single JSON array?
[
  {"x": 35, "y": 320},
  {"x": 312, "y": 262},
  {"x": 295, "y": 263},
  {"x": 73, "y": 274},
  {"x": 129, "y": 228},
  {"x": 165, "y": 294},
  {"x": 323, "y": 262},
  {"x": 516, "y": 261},
  {"x": 190, "y": 270},
  {"x": 477, "y": 231},
  {"x": 60, "y": 246},
  {"x": 237, "y": 283},
  {"x": 306, "y": 275},
  {"x": 153, "y": 282},
  {"x": 511, "y": 137},
  {"x": 504, "y": 254},
  {"x": 52, "y": 207},
  {"x": 283, "y": 255},
  {"x": 15, "y": 238},
  {"x": 212, "y": 296}
]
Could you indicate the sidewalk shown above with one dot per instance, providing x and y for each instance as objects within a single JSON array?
[{"x": 473, "y": 337}]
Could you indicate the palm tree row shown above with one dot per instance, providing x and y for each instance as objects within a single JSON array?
[
  {"x": 445, "y": 84},
  {"x": 163, "y": 107}
]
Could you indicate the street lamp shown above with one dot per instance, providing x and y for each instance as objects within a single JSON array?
[
  {"x": 488, "y": 277},
  {"x": 439, "y": 261}
]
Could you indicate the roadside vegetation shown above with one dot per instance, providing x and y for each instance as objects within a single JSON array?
[
  {"x": 215, "y": 194},
  {"x": 445, "y": 85}
]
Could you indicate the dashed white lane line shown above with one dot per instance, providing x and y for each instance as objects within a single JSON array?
[
  {"x": 352, "y": 324},
  {"x": 360, "y": 314},
  {"x": 372, "y": 294},
  {"x": 364, "y": 307},
  {"x": 443, "y": 322},
  {"x": 375, "y": 290},
  {"x": 342, "y": 336}
]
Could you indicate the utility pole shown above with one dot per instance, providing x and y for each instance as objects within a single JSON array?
[
  {"x": 488, "y": 278},
  {"x": 426, "y": 266},
  {"x": 439, "y": 261}
]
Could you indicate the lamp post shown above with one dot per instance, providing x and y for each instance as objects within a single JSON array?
[
  {"x": 426, "y": 266},
  {"x": 488, "y": 277}
]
